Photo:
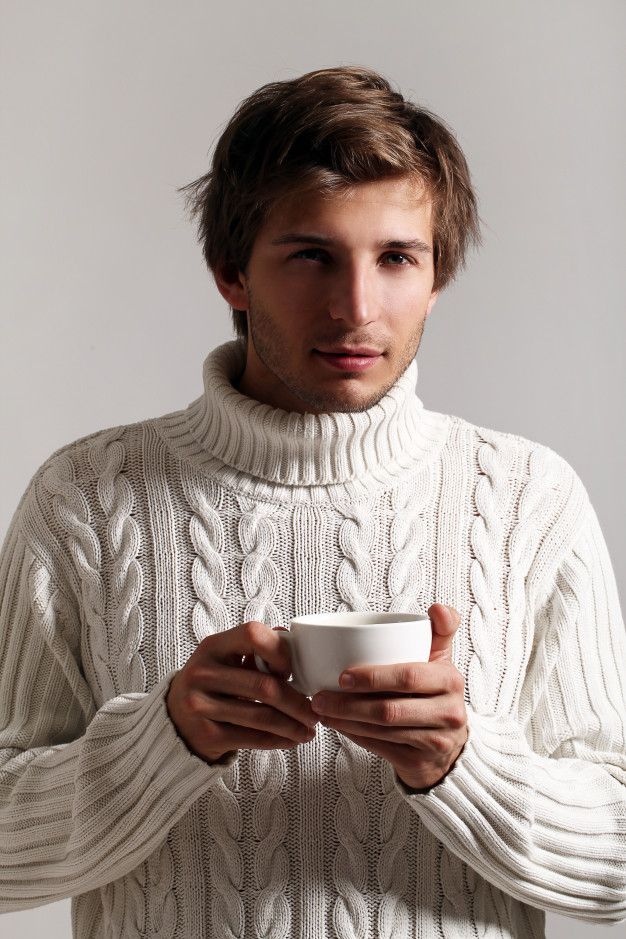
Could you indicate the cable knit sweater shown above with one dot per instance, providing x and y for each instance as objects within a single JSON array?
[{"x": 131, "y": 545}]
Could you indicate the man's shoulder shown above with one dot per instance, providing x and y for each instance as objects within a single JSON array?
[
  {"x": 498, "y": 453},
  {"x": 87, "y": 458}
]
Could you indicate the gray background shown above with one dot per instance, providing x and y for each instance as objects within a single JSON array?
[{"x": 108, "y": 311}]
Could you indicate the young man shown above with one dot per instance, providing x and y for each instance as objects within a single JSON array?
[{"x": 149, "y": 771}]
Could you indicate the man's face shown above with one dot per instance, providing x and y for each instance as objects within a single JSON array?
[{"x": 332, "y": 274}]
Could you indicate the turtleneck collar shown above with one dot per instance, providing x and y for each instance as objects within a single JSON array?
[{"x": 358, "y": 450}]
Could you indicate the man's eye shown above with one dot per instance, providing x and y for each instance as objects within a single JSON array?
[
  {"x": 404, "y": 259},
  {"x": 398, "y": 260},
  {"x": 307, "y": 252}
]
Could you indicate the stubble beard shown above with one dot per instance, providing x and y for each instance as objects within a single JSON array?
[{"x": 271, "y": 350}]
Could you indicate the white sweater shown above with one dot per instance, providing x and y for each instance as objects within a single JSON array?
[{"x": 131, "y": 545}]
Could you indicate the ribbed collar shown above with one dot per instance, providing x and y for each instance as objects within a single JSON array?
[{"x": 286, "y": 448}]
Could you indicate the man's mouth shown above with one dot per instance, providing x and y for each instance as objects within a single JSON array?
[{"x": 351, "y": 360}]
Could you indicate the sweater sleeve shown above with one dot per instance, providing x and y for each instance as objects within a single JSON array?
[
  {"x": 85, "y": 795},
  {"x": 536, "y": 803}
]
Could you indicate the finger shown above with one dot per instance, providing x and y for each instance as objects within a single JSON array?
[
  {"x": 403, "y": 759},
  {"x": 247, "y": 639},
  {"x": 391, "y": 752},
  {"x": 256, "y": 716},
  {"x": 248, "y": 660},
  {"x": 215, "y": 678},
  {"x": 445, "y": 621},
  {"x": 223, "y": 738},
  {"x": 399, "y": 711},
  {"x": 413, "y": 678},
  {"x": 408, "y": 736}
]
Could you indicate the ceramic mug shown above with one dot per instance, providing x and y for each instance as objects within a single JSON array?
[{"x": 322, "y": 645}]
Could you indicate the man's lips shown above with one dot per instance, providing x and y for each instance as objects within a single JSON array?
[
  {"x": 350, "y": 350},
  {"x": 350, "y": 361}
]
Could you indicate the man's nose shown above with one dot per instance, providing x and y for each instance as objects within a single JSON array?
[{"x": 352, "y": 299}]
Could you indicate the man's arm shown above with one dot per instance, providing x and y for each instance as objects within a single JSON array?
[
  {"x": 536, "y": 803},
  {"x": 85, "y": 795}
]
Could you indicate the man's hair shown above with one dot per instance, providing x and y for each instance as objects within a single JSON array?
[{"x": 325, "y": 132}]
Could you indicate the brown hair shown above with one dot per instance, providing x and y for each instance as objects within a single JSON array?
[{"x": 328, "y": 130}]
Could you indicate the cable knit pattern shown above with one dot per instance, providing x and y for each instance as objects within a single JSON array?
[
  {"x": 350, "y": 919},
  {"x": 522, "y": 545},
  {"x": 259, "y": 577},
  {"x": 355, "y": 573},
  {"x": 548, "y": 642},
  {"x": 405, "y": 579},
  {"x": 131, "y": 546},
  {"x": 272, "y": 913},
  {"x": 162, "y": 911},
  {"x": 125, "y": 900},
  {"x": 226, "y": 864},
  {"x": 395, "y": 821},
  {"x": 135, "y": 890},
  {"x": 456, "y": 904},
  {"x": 107, "y": 457},
  {"x": 208, "y": 572},
  {"x": 113, "y": 904},
  {"x": 72, "y": 510},
  {"x": 60, "y": 631},
  {"x": 487, "y": 535},
  {"x": 259, "y": 574}
]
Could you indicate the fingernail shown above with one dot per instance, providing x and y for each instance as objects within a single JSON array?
[{"x": 346, "y": 681}]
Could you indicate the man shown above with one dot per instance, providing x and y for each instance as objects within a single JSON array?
[{"x": 149, "y": 770}]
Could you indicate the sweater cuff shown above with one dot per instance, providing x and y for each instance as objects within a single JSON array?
[
  {"x": 165, "y": 767},
  {"x": 108, "y": 799},
  {"x": 547, "y": 831},
  {"x": 494, "y": 756}
]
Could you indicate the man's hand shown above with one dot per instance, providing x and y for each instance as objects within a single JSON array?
[
  {"x": 411, "y": 715},
  {"x": 219, "y": 702}
]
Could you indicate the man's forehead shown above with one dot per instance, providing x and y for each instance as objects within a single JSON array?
[{"x": 402, "y": 197}]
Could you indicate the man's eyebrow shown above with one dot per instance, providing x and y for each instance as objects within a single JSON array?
[{"x": 298, "y": 238}]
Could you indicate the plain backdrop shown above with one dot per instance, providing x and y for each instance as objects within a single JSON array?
[{"x": 108, "y": 311}]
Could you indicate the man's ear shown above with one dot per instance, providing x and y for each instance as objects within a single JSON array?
[
  {"x": 431, "y": 303},
  {"x": 231, "y": 283}
]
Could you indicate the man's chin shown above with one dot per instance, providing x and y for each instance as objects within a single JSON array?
[{"x": 347, "y": 401}]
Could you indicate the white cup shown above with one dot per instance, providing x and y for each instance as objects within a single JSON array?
[{"x": 324, "y": 644}]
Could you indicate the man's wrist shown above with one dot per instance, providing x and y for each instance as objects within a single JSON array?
[
  {"x": 418, "y": 790},
  {"x": 415, "y": 785}
]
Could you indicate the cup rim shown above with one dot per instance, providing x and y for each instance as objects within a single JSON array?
[{"x": 348, "y": 619}]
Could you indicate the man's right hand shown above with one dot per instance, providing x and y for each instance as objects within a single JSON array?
[{"x": 219, "y": 705}]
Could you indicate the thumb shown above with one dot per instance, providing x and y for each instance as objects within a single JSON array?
[{"x": 444, "y": 623}]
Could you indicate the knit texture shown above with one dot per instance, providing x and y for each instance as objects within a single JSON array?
[{"x": 133, "y": 544}]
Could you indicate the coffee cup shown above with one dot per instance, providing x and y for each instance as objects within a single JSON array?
[{"x": 323, "y": 645}]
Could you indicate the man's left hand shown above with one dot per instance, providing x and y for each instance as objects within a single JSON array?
[{"x": 412, "y": 715}]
